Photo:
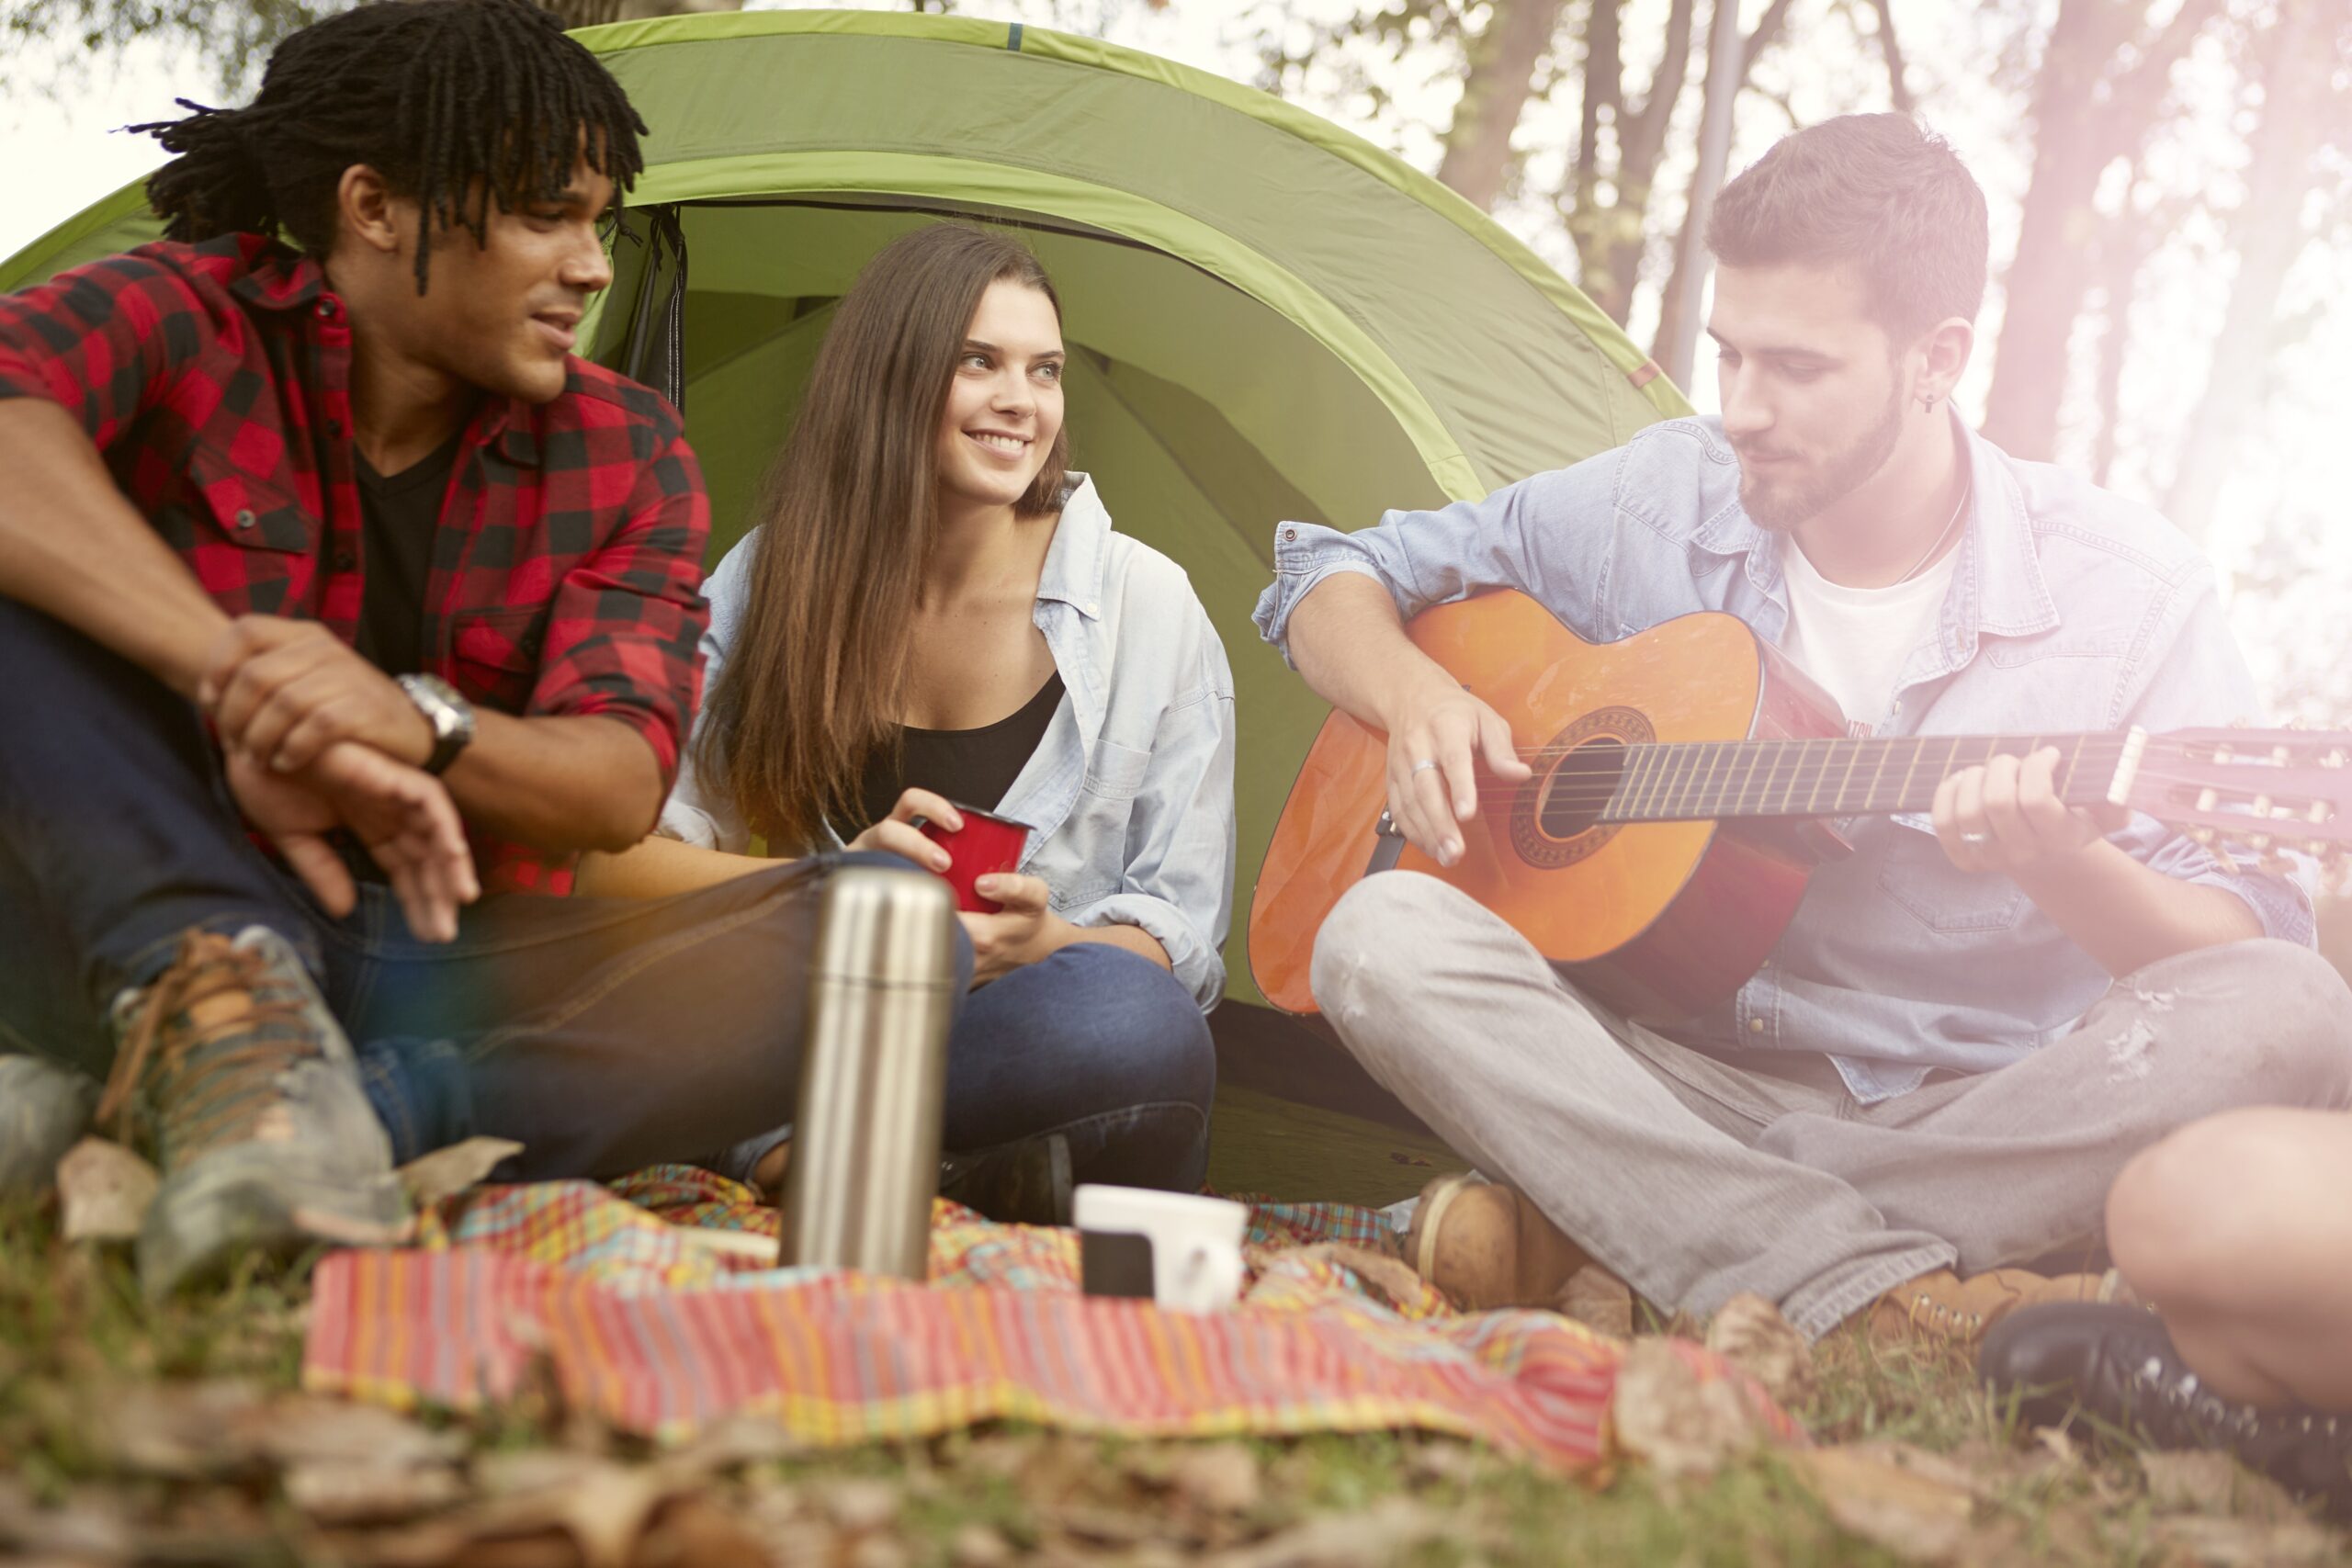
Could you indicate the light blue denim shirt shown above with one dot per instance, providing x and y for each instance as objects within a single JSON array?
[
  {"x": 2070, "y": 609},
  {"x": 1130, "y": 793}
]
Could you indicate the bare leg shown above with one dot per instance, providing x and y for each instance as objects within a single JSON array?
[{"x": 2239, "y": 1228}]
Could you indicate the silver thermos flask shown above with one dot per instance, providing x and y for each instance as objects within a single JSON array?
[{"x": 864, "y": 1163}]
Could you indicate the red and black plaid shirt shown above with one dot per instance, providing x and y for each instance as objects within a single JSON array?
[{"x": 566, "y": 577}]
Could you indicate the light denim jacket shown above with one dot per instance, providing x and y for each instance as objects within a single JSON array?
[
  {"x": 1130, "y": 793},
  {"x": 1897, "y": 964}
]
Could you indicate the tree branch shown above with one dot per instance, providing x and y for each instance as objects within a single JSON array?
[
  {"x": 1767, "y": 33},
  {"x": 1892, "y": 51}
]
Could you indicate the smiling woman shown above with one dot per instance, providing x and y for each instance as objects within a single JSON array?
[{"x": 931, "y": 611}]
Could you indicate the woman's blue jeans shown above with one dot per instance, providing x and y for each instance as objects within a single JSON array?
[{"x": 1093, "y": 1042}]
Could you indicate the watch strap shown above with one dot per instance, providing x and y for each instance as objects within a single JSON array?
[{"x": 447, "y": 714}]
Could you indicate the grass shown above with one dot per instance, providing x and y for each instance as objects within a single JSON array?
[{"x": 75, "y": 1334}]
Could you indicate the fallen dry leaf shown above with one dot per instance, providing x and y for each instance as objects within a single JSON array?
[
  {"x": 1438, "y": 1460},
  {"x": 1954, "y": 1469},
  {"x": 181, "y": 1431},
  {"x": 2060, "y": 1446},
  {"x": 603, "y": 1507},
  {"x": 1599, "y": 1300},
  {"x": 977, "y": 1546},
  {"x": 1100, "y": 1526},
  {"x": 1380, "y": 1534},
  {"x": 1664, "y": 1414},
  {"x": 306, "y": 1429},
  {"x": 1919, "y": 1517},
  {"x": 695, "y": 1532},
  {"x": 1751, "y": 1333},
  {"x": 2242, "y": 1543},
  {"x": 102, "y": 1191},
  {"x": 741, "y": 1440},
  {"x": 856, "y": 1504},
  {"x": 1224, "y": 1478},
  {"x": 87, "y": 1529},
  {"x": 2212, "y": 1483},
  {"x": 879, "y": 1551},
  {"x": 446, "y": 1172},
  {"x": 343, "y": 1491}
]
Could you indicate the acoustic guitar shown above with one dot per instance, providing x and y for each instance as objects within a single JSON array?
[{"x": 1683, "y": 780}]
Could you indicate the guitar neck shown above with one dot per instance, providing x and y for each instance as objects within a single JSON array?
[{"x": 1689, "y": 780}]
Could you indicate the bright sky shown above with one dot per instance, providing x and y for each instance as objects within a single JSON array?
[{"x": 2287, "y": 490}]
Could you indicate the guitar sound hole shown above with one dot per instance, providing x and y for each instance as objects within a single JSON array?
[{"x": 1580, "y": 786}]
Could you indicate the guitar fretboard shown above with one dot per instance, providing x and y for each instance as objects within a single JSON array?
[{"x": 1674, "y": 782}]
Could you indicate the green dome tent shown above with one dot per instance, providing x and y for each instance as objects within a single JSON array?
[{"x": 1268, "y": 318}]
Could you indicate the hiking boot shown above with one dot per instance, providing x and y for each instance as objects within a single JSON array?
[
  {"x": 2117, "y": 1364},
  {"x": 44, "y": 1109},
  {"x": 1487, "y": 1245},
  {"x": 1026, "y": 1182},
  {"x": 1944, "y": 1308},
  {"x": 231, "y": 1071}
]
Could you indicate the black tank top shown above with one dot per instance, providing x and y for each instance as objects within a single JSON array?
[{"x": 973, "y": 767}]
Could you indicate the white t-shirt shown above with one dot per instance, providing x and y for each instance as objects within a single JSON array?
[{"x": 1856, "y": 640}]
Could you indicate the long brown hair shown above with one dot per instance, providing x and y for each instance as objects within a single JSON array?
[{"x": 848, "y": 517}]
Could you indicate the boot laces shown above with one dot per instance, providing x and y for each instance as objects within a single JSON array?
[{"x": 198, "y": 1085}]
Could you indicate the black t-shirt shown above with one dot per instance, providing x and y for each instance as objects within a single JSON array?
[
  {"x": 398, "y": 515},
  {"x": 973, "y": 767}
]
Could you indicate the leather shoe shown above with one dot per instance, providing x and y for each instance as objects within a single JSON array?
[
  {"x": 1487, "y": 1245},
  {"x": 1022, "y": 1183},
  {"x": 2117, "y": 1364},
  {"x": 1942, "y": 1307}
]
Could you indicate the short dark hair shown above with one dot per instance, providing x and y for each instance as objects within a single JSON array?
[
  {"x": 1872, "y": 191},
  {"x": 457, "y": 103}
]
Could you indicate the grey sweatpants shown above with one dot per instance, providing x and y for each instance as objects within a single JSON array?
[{"x": 1693, "y": 1179}]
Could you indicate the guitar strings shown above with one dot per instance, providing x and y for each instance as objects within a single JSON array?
[
  {"x": 1585, "y": 791},
  {"x": 1595, "y": 795}
]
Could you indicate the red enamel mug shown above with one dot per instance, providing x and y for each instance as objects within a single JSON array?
[{"x": 988, "y": 845}]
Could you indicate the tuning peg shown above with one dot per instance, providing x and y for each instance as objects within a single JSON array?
[{"x": 2258, "y": 842}]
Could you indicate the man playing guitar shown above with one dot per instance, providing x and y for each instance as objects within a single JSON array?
[{"x": 1977, "y": 1016}]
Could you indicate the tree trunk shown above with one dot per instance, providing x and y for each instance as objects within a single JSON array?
[
  {"x": 2270, "y": 234},
  {"x": 1610, "y": 249},
  {"x": 2076, "y": 135},
  {"x": 2123, "y": 252},
  {"x": 1494, "y": 89},
  {"x": 1678, "y": 324}
]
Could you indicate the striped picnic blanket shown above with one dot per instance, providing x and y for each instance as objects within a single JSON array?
[{"x": 654, "y": 1305}]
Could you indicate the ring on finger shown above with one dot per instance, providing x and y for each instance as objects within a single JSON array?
[
  {"x": 1423, "y": 766},
  {"x": 1975, "y": 841}
]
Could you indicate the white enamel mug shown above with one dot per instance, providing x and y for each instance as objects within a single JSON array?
[{"x": 1182, "y": 1251}]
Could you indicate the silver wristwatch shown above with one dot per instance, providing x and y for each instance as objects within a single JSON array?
[{"x": 450, "y": 716}]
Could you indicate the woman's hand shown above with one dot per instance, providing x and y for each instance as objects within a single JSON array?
[
  {"x": 1024, "y": 930},
  {"x": 897, "y": 834}
]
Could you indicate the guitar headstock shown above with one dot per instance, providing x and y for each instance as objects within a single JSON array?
[{"x": 2261, "y": 791}]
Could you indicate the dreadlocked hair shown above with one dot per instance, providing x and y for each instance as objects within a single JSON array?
[{"x": 457, "y": 103}]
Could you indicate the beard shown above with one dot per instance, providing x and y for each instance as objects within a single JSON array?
[{"x": 1778, "y": 507}]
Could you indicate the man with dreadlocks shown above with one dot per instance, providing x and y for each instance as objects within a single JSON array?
[{"x": 333, "y": 545}]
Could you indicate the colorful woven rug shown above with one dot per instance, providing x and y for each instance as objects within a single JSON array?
[{"x": 653, "y": 1305}]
